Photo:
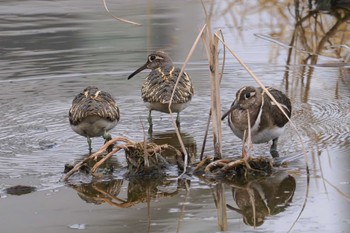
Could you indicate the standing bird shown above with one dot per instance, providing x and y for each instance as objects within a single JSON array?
[
  {"x": 266, "y": 119},
  {"x": 93, "y": 114},
  {"x": 156, "y": 91}
]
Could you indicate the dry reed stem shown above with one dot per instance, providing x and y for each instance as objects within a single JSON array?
[
  {"x": 211, "y": 48},
  {"x": 118, "y": 18},
  {"x": 145, "y": 146},
  {"x": 195, "y": 43},
  {"x": 247, "y": 143},
  {"x": 220, "y": 78},
  {"x": 215, "y": 97}
]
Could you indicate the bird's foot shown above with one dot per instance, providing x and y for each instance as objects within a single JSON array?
[
  {"x": 108, "y": 137},
  {"x": 273, "y": 150},
  {"x": 109, "y": 148},
  {"x": 274, "y": 153}
]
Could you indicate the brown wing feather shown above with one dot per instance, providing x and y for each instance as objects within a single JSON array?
[
  {"x": 160, "y": 83},
  {"x": 93, "y": 102},
  {"x": 277, "y": 117}
]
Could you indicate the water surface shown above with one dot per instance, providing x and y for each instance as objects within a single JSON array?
[{"x": 50, "y": 51}]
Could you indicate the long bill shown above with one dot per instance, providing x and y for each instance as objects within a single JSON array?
[
  {"x": 233, "y": 106},
  {"x": 138, "y": 71}
]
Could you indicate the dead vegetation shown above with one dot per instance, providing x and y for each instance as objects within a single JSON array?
[
  {"x": 143, "y": 158},
  {"x": 235, "y": 167}
]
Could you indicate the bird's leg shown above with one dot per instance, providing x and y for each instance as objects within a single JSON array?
[
  {"x": 273, "y": 150},
  {"x": 108, "y": 137},
  {"x": 150, "y": 129},
  {"x": 89, "y": 143},
  {"x": 178, "y": 120}
]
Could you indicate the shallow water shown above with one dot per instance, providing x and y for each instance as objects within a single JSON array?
[{"x": 52, "y": 50}]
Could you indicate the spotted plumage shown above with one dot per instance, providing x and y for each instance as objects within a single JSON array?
[
  {"x": 157, "y": 89},
  {"x": 93, "y": 113},
  {"x": 266, "y": 119}
]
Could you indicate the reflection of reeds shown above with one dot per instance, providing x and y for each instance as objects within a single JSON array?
[{"x": 313, "y": 33}]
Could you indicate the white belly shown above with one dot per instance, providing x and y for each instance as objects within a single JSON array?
[
  {"x": 267, "y": 134},
  {"x": 94, "y": 126},
  {"x": 262, "y": 136},
  {"x": 165, "y": 107}
]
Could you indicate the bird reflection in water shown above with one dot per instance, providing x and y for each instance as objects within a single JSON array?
[
  {"x": 139, "y": 190},
  {"x": 265, "y": 197},
  {"x": 170, "y": 138}
]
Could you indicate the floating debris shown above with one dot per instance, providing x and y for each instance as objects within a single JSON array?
[
  {"x": 77, "y": 226},
  {"x": 20, "y": 190}
]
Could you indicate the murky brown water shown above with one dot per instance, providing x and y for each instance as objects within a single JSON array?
[{"x": 51, "y": 50}]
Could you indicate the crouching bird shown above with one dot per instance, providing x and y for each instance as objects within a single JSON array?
[
  {"x": 267, "y": 121},
  {"x": 93, "y": 113}
]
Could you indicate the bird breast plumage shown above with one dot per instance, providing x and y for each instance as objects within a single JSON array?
[{"x": 160, "y": 83}]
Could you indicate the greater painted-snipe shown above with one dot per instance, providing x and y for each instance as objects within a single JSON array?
[
  {"x": 157, "y": 89},
  {"x": 266, "y": 120},
  {"x": 93, "y": 113}
]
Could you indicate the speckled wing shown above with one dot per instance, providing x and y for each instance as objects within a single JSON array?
[
  {"x": 160, "y": 83},
  {"x": 99, "y": 104},
  {"x": 277, "y": 116}
]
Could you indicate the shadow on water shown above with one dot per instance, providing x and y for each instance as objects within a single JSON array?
[{"x": 309, "y": 60}]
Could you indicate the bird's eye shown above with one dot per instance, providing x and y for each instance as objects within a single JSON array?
[
  {"x": 152, "y": 58},
  {"x": 247, "y": 95}
]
